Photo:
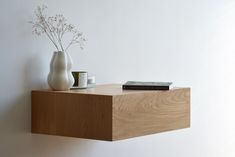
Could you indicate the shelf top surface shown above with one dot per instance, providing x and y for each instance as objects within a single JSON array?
[{"x": 106, "y": 89}]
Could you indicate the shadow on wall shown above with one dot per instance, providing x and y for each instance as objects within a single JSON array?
[
  {"x": 16, "y": 139},
  {"x": 17, "y": 117}
]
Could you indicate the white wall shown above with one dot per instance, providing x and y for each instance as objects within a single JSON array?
[{"x": 189, "y": 42}]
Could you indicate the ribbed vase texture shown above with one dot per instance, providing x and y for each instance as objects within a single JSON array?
[{"x": 60, "y": 76}]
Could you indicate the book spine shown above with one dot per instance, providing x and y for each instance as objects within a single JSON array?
[{"x": 146, "y": 87}]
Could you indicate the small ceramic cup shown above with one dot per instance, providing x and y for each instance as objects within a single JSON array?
[{"x": 80, "y": 78}]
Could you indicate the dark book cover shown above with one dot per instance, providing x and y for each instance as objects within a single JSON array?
[{"x": 136, "y": 85}]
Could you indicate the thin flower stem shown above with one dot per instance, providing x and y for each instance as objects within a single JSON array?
[
  {"x": 59, "y": 41},
  {"x": 52, "y": 40},
  {"x": 50, "y": 31},
  {"x": 45, "y": 24},
  {"x": 68, "y": 46},
  {"x": 56, "y": 34},
  {"x": 72, "y": 42},
  {"x": 55, "y": 27},
  {"x": 47, "y": 35}
]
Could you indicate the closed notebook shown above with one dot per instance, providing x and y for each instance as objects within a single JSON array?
[{"x": 137, "y": 85}]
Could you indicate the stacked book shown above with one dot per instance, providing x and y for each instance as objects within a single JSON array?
[{"x": 134, "y": 85}]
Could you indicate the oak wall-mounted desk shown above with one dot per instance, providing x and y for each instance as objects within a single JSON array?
[{"x": 107, "y": 112}]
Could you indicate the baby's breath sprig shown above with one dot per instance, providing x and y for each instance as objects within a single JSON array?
[{"x": 55, "y": 27}]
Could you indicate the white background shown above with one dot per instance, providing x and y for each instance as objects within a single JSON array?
[{"x": 189, "y": 42}]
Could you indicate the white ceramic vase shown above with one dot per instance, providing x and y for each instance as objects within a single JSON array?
[{"x": 60, "y": 76}]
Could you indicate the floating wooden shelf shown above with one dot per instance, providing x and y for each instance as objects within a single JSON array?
[{"x": 107, "y": 112}]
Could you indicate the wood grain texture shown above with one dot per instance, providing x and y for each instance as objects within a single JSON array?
[
  {"x": 84, "y": 116},
  {"x": 109, "y": 113},
  {"x": 148, "y": 113}
]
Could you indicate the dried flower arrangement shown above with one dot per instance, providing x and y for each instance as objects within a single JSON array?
[{"x": 55, "y": 27}]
